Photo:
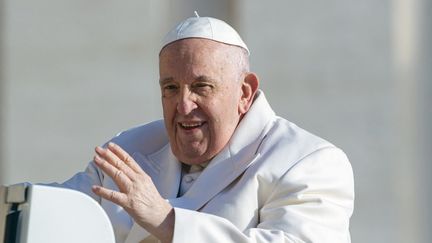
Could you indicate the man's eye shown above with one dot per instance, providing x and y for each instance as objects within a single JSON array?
[
  {"x": 170, "y": 87},
  {"x": 203, "y": 86},
  {"x": 200, "y": 85},
  {"x": 169, "y": 90}
]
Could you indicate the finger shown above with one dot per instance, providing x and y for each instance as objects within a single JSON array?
[
  {"x": 114, "y": 160},
  {"x": 124, "y": 156},
  {"x": 111, "y": 195},
  {"x": 121, "y": 180}
]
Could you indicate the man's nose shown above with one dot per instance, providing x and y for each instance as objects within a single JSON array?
[{"x": 186, "y": 103}]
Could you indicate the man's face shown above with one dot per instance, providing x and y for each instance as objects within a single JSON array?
[{"x": 201, "y": 93}]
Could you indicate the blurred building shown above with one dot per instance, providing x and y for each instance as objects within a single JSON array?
[{"x": 74, "y": 73}]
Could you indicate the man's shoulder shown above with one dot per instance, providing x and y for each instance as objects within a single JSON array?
[
  {"x": 286, "y": 145},
  {"x": 281, "y": 135},
  {"x": 145, "y": 138},
  {"x": 289, "y": 138}
]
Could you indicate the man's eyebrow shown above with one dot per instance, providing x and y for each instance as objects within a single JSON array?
[
  {"x": 204, "y": 78},
  {"x": 165, "y": 80},
  {"x": 201, "y": 78}
]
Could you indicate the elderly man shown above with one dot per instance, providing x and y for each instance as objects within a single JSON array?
[{"x": 220, "y": 166}]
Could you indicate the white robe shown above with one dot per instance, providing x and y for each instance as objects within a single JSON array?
[{"x": 273, "y": 182}]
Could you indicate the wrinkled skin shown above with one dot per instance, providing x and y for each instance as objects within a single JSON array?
[{"x": 204, "y": 96}]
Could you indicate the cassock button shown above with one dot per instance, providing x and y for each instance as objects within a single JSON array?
[{"x": 188, "y": 179}]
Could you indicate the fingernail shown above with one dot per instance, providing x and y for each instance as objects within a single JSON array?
[{"x": 111, "y": 144}]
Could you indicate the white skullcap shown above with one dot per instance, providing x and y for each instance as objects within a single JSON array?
[{"x": 207, "y": 28}]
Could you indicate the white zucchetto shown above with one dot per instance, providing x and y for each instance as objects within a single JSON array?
[{"x": 207, "y": 28}]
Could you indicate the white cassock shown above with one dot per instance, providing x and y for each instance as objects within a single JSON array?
[{"x": 273, "y": 182}]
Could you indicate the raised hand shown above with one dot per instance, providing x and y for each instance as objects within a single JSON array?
[{"x": 137, "y": 194}]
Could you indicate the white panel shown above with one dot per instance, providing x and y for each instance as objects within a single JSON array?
[{"x": 53, "y": 215}]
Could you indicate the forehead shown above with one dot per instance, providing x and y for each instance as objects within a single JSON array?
[{"x": 196, "y": 55}]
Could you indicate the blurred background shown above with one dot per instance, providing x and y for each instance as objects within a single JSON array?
[{"x": 357, "y": 73}]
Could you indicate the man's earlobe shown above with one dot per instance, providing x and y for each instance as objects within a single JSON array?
[{"x": 249, "y": 88}]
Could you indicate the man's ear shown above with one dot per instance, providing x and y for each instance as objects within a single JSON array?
[{"x": 249, "y": 88}]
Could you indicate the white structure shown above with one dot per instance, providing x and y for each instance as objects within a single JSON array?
[{"x": 51, "y": 215}]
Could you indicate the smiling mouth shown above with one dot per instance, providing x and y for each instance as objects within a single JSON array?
[{"x": 191, "y": 125}]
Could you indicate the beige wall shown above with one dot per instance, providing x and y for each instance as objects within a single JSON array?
[
  {"x": 2, "y": 93},
  {"x": 76, "y": 73},
  {"x": 356, "y": 73},
  {"x": 425, "y": 117}
]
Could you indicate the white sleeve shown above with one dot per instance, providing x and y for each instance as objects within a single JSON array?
[
  {"x": 83, "y": 181},
  {"x": 312, "y": 202}
]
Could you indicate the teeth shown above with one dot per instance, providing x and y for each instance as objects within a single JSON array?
[{"x": 192, "y": 124}]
